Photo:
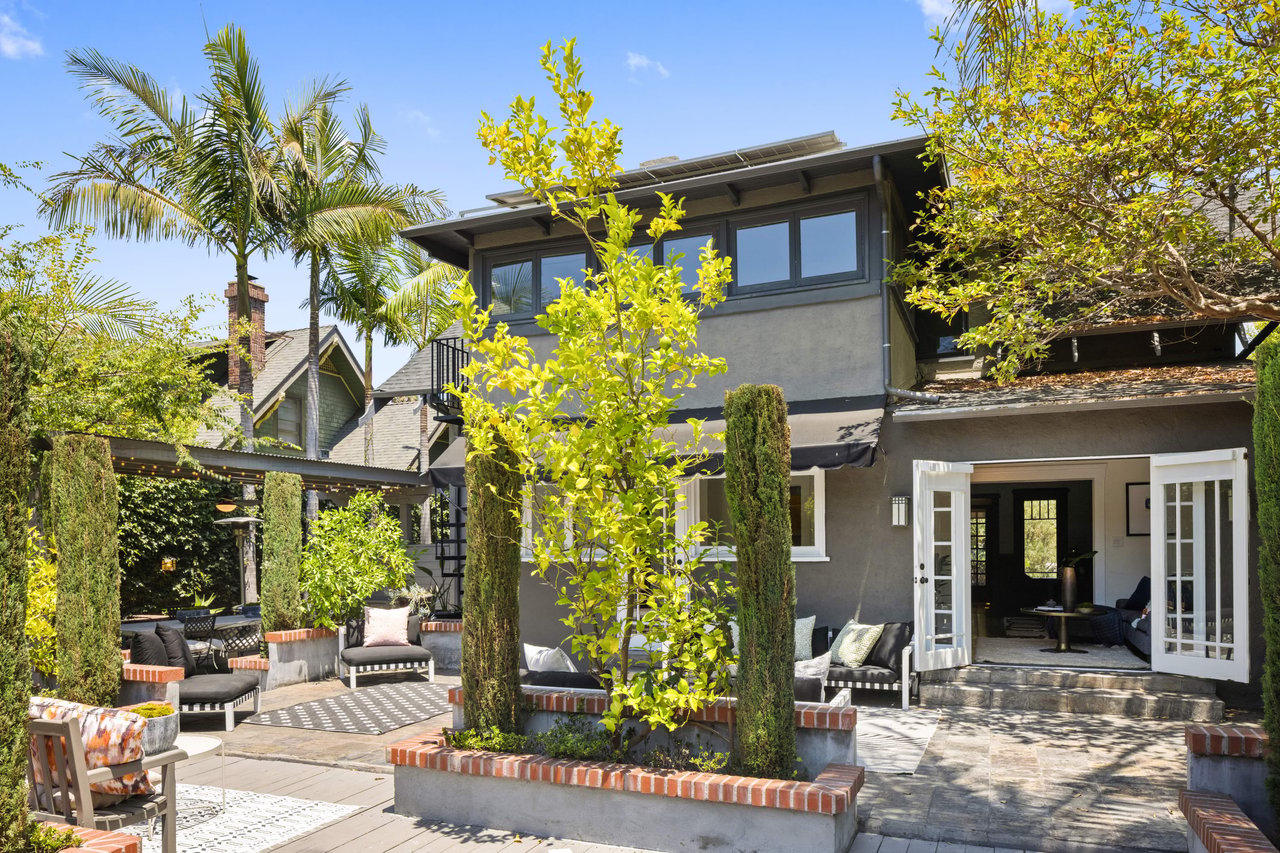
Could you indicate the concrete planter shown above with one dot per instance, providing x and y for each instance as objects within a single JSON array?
[
  {"x": 1230, "y": 760},
  {"x": 443, "y": 638},
  {"x": 629, "y": 805},
  {"x": 307, "y": 654}
]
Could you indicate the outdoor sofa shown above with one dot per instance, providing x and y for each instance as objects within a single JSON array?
[
  {"x": 355, "y": 657},
  {"x": 887, "y": 667},
  {"x": 216, "y": 692}
]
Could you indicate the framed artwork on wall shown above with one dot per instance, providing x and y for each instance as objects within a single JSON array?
[{"x": 1137, "y": 509}]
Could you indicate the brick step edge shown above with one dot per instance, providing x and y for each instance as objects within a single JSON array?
[
  {"x": 101, "y": 841},
  {"x": 1137, "y": 680},
  {"x": 1206, "y": 708},
  {"x": 1220, "y": 825},
  {"x": 833, "y": 792}
]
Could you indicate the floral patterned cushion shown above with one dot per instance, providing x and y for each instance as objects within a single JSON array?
[{"x": 110, "y": 735}]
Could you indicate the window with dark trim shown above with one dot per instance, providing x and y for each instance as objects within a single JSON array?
[{"x": 525, "y": 283}]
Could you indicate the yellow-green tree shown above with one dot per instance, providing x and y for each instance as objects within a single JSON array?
[{"x": 587, "y": 423}]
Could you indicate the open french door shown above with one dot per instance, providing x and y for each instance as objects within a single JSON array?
[
  {"x": 1199, "y": 564},
  {"x": 942, "y": 564}
]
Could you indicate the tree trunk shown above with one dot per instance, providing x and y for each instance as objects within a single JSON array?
[
  {"x": 244, "y": 311},
  {"x": 313, "y": 380},
  {"x": 368, "y": 397}
]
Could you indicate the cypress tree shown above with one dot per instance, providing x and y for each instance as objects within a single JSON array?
[
  {"x": 1266, "y": 473},
  {"x": 15, "y": 668},
  {"x": 757, "y": 467},
  {"x": 281, "y": 551},
  {"x": 491, "y": 590},
  {"x": 84, "y": 505}
]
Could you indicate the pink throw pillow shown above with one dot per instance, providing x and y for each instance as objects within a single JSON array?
[{"x": 386, "y": 627}]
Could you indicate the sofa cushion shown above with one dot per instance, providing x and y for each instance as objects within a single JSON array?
[
  {"x": 821, "y": 642},
  {"x": 567, "y": 680},
  {"x": 353, "y": 633},
  {"x": 862, "y": 675},
  {"x": 366, "y": 655},
  {"x": 147, "y": 649},
  {"x": 175, "y": 647},
  {"x": 804, "y": 637},
  {"x": 815, "y": 668},
  {"x": 1140, "y": 598},
  {"x": 386, "y": 627},
  {"x": 854, "y": 642},
  {"x": 215, "y": 688},
  {"x": 887, "y": 652},
  {"x": 547, "y": 659},
  {"x": 808, "y": 689}
]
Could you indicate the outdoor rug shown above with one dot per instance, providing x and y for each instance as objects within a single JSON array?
[
  {"x": 364, "y": 711},
  {"x": 891, "y": 740},
  {"x": 251, "y": 822}
]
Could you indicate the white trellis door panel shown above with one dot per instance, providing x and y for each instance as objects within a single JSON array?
[
  {"x": 1199, "y": 564},
  {"x": 942, "y": 564}
]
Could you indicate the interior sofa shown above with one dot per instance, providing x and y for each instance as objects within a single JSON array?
[
  {"x": 887, "y": 667},
  {"x": 1134, "y": 625}
]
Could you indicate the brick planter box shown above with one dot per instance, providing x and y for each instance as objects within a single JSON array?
[
  {"x": 98, "y": 841},
  {"x": 1229, "y": 760},
  {"x": 443, "y": 638},
  {"x": 307, "y": 654},
  {"x": 634, "y": 806},
  {"x": 140, "y": 684}
]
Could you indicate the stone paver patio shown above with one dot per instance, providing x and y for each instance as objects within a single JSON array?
[{"x": 990, "y": 780}]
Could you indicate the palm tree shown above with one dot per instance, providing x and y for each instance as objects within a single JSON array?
[
  {"x": 992, "y": 32},
  {"x": 333, "y": 194},
  {"x": 364, "y": 288},
  {"x": 206, "y": 173}
]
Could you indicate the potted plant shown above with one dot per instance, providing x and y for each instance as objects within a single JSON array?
[{"x": 162, "y": 725}]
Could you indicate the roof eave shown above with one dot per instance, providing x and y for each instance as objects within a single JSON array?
[{"x": 945, "y": 413}]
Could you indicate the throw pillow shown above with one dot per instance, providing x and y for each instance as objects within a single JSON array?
[
  {"x": 354, "y": 633},
  {"x": 854, "y": 643},
  {"x": 543, "y": 659},
  {"x": 386, "y": 627},
  {"x": 175, "y": 648},
  {"x": 815, "y": 668},
  {"x": 804, "y": 637},
  {"x": 147, "y": 649},
  {"x": 733, "y": 637},
  {"x": 110, "y": 736}
]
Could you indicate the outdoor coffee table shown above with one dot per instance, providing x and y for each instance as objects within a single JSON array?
[
  {"x": 197, "y": 745},
  {"x": 1064, "y": 640}
]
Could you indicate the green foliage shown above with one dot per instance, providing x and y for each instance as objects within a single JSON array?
[
  {"x": 576, "y": 736},
  {"x": 491, "y": 739},
  {"x": 47, "y": 839},
  {"x": 162, "y": 517},
  {"x": 757, "y": 467},
  {"x": 15, "y": 668},
  {"x": 42, "y": 607},
  {"x": 681, "y": 755},
  {"x": 353, "y": 552},
  {"x": 625, "y": 349},
  {"x": 84, "y": 506},
  {"x": 1266, "y": 473},
  {"x": 491, "y": 629},
  {"x": 153, "y": 709},
  {"x": 281, "y": 551},
  {"x": 1115, "y": 161}
]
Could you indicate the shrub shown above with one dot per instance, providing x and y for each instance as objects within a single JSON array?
[
  {"x": 15, "y": 668},
  {"x": 83, "y": 505},
  {"x": 1266, "y": 472},
  {"x": 42, "y": 607},
  {"x": 48, "y": 839},
  {"x": 281, "y": 552},
  {"x": 354, "y": 551},
  {"x": 757, "y": 466},
  {"x": 153, "y": 709},
  {"x": 166, "y": 517},
  {"x": 491, "y": 590},
  {"x": 491, "y": 739},
  {"x": 576, "y": 736}
]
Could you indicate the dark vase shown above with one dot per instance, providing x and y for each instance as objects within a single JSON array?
[{"x": 1067, "y": 577}]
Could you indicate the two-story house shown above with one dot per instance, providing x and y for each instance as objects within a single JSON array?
[{"x": 920, "y": 491}]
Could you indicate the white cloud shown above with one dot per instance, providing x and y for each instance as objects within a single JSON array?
[
  {"x": 640, "y": 62},
  {"x": 936, "y": 12},
  {"x": 418, "y": 117},
  {"x": 16, "y": 42}
]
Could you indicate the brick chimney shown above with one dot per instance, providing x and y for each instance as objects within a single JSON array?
[{"x": 258, "y": 336}]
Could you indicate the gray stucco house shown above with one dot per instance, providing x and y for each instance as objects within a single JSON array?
[{"x": 921, "y": 491}]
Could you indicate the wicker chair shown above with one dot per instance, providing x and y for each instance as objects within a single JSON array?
[{"x": 73, "y": 804}]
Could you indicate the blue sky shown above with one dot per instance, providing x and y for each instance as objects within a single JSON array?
[{"x": 680, "y": 78}]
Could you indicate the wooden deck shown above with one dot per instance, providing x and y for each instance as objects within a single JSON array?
[{"x": 375, "y": 828}]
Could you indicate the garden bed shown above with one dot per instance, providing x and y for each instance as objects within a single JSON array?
[{"x": 630, "y": 805}]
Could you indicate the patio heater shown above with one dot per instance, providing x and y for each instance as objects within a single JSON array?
[{"x": 242, "y": 524}]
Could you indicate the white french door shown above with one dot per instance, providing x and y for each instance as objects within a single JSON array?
[
  {"x": 1199, "y": 564},
  {"x": 942, "y": 564}
]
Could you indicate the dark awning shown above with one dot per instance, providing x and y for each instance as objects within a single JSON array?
[{"x": 824, "y": 434}]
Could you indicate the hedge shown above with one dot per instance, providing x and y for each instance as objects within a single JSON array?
[
  {"x": 281, "y": 552},
  {"x": 1266, "y": 473}
]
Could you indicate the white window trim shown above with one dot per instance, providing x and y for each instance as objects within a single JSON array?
[{"x": 691, "y": 512}]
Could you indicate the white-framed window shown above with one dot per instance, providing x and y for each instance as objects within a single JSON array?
[{"x": 705, "y": 501}]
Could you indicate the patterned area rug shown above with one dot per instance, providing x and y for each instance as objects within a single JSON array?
[
  {"x": 891, "y": 740},
  {"x": 250, "y": 823},
  {"x": 364, "y": 711}
]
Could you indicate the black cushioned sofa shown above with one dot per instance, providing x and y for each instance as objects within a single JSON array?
[
  {"x": 356, "y": 657},
  {"x": 887, "y": 667}
]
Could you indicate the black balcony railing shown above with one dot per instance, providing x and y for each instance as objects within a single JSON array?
[{"x": 448, "y": 357}]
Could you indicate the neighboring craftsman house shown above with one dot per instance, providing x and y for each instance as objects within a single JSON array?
[{"x": 920, "y": 491}]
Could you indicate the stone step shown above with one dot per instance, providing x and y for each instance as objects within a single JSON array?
[
  {"x": 1143, "y": 705},
  {"x": 1155, "y": 682}
]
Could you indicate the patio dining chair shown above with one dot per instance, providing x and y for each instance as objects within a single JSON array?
[
  {"x": 199, "y": 632},
  {"x": 235, "y": 641}
]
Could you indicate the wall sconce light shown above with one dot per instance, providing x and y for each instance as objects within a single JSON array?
[
  {"x": 168, "y": 564},
  {"x": 901, "y": 506}
]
